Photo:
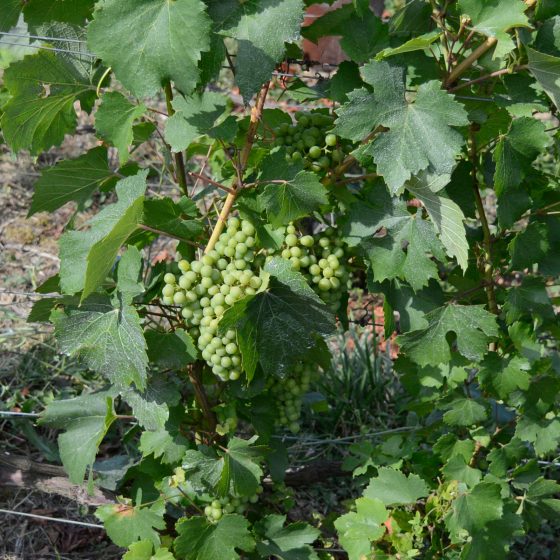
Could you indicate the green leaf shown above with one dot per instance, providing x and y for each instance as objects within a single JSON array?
[
  {"x": 529, "y": 300},
  {"x": 9, "y": 16},
  {"x": 471, "y": 324},
  {"x": 114, "y": 119},
  {"x": 392, "y": 487},
  {"x": 447, "y": 217},
  {"x": 286, "y": 543},
  {"x": 529, "y": 246},
  {"x": 193, "y": 117},
  {"x": 150, "y": 407},
  {"x": 293, "y": 199},
  {"x": 464, "y": 412},
  {"x": 513, "y": 155},
  {"x": 495, "y": 19},
  {"x": 546, "y": 69},
  {"x": 543, "y": 433},
  {"x": 71, "y": 180},
  {"x": 420, "y": 43},
  {"x": 362, "y": 35},
  {"x": 357, "y": 530},
  {"x": 126, "y": 524},
  {"x": 108, "y": 339},
  {"x": 43, "y": 89},
  {"x": 142, "y": 550},
  {"x": 235, "y": 470},
  {"x": 420, "y": 134},
  {"x": 504, "y": 375},
  {"x": 171, "y": 350},
  {"x": 201, "y": 540},
  {"x": 86, "y": 419},
  {"x": 281, "y": 324},
  {"x": 473, "y": 511},
  {"x": 37, "y": 12},
  {"x": 88, "y": 256},
  {"x": 260, "y": 38},
  {"x": 167, "y": 216},
  {"x": 458, "y": 469},
  {"x": 150, "y": 42},
  {"x": 162, "y": 444},
  {"x": 129, "y": 277}
]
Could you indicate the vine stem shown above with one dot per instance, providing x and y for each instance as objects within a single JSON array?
[
  {"x": 495, "y": 74},
  {"x": 488, "y": 268},
  {"x": 470, "y": 60},
  {"x": 256, "y": 114},
  {"x": 180, "y": 172},
  {"x": 194, "y": 372}
]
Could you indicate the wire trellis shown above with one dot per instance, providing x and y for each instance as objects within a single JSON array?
[{"x": 53, "y": 519}]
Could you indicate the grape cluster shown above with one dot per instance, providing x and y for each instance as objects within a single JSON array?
[
  {"x": 321, "y": 259},
  {"x": 229, "y": 504},
  {"x": 209, "y": 286},
  {"x": 288, "y": 394},
  {"x": 309, "y": 141}
]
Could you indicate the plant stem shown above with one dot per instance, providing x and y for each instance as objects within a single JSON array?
[
  {"x": 160, "y": 232},
  {"x": 487, "y": 267},
  {"x": 256, "y": 113},
  {"x": 495, "y": 74},
  {"x": 470, "y": 60},
  {"x": 180, "y": 173},
  {"x": 194, "y": 372},
  {"x": 210, "y": 181}
]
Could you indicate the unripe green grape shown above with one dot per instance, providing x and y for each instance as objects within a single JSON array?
[
  {"x": 324, "y": 162},
  {"x": 184, "y": 283},
  {"x": 229, "y": 252},
  {"x": 206, "y": 271},
  {"x": 335, "y": 282},
  {"x": 295, "y": 252},
  {"x": 247, "y": 228},
  {"x": 208, "y": 511},
  {"x": 184, "y": 265},
  {"x": 240, "y": 236},
  {"x": 231, "y": 348},
  {"x": 330, "y": 140},
  {"x": 236, "y": 292},
  {"x": 168, "y": 290},
  {"x": 328, "y": 272},
  {"x": 286, "y": 254},
  {"x": 324, "y": 242},
  {"x": 250, "y": 291},
  {"x": 324, "y": 284},
  {"x": 291, "y": 240},
  {"x": 169, "y": 278},
  {"x": 323, "y": 263},
  {"x": 186, "y": 313},
  {"x": 206, "y": 283},
  {"x": 234, "y": 375},
  {"x": 307, "y": 241},
  {"x": 240, "y": 264},
  {"x": 191, "y": 276},
  {"x": 179, "y": 298},
  {"x": 234, "y": 222},
  {"x": 196, "y": 266},
  {"x": 255, "y": 282},
  {"x": 167, "y": 300},
  {"x": 315, "y": 152},
  {"x": 337, "y": 156}
]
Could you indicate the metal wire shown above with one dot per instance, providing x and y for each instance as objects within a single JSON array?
[
  {"x": 55, "y": 519},
  {"x": 22, "y": 414},
  {"x": 76, "y": 53},
  {"x": 41, "y": 38}
]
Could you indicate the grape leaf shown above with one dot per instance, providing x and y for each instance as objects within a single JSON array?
[
  {"x": 86, "y": 419},
  {"x": 162, "y": 444},
  {"x": 529, "y": 300},
  {"x": 142, "y": 550},
  {"x": 495, "y": 19},
  {"x": 261, "y": 28},
  {"x": 126, "y": 524},
  {"x": 362, "y": 35},
  {"x": 235, "y": 470},
  {"x": 504, "y": 375},
  {"x": 10, "y": 14},
  {"x": 37, "y": 12},
  {"x": 149, "y": 42},
  {"x": 472, "y": 326},
  {"x": 464, "y": 412},
  {"x": 201, "y": 540},
  {"x": 193, "y": 117},
  {"x": 129, "y": 278},
  {"x": 392, "y": 487},
  {"x": 422, "y": 42},
  {"x": 88, "y": 256},
  {"x": 293, "y": 199},
  {"x": 447, "y": 217},
  {"x": 472, "y": 511},
  {"x": 281, "y": 323},
  {"x": 114, "y": 119},
  {"x": 513, "y": 155},
  {"x": 173, "y": 350},
  {"x": 43, "y": 89},
  {"x": 71, "y": 180},
  {"x": 167, "y": 216},
  {"x": 108, "y": 339},
  {"x": 150, "y": 407},
  {"x": 458, "y": 469},
  {"x": 420, "y": 134},
  {"x": 357, "y": 530},
  {"x": 529, "y": 246},
  {"x": 546, "y": 69},
  {"x": 286, "y": 543},
  {"x": 543, "y": 433}
]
